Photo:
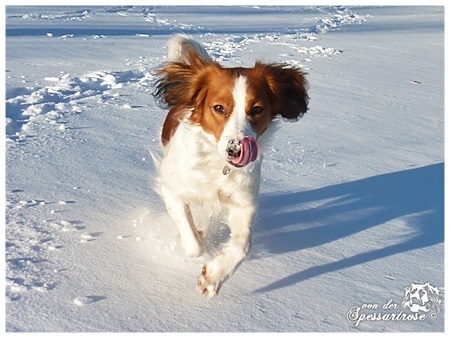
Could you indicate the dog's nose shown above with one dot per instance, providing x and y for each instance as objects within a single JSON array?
[{"x": 234, "y": 148}]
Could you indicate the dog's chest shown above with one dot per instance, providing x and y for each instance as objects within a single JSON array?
[{"x": 192, "y": 167}]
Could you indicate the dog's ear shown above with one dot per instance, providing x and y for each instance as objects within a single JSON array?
[
  {"x": 176, "y": 83},
  {"x": 289, "y": 88}
]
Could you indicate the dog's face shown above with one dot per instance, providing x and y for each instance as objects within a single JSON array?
[
  {"x": 235, "y": 105},
  {"x": 226, "y": 97}
]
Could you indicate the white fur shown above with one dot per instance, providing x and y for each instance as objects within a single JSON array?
[{"x": 191, "y": 175}]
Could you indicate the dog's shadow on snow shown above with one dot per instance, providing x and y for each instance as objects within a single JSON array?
[{"x": 306, "y": 219}]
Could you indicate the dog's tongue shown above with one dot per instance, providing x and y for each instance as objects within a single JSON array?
[{"x": 249, "y": 152}]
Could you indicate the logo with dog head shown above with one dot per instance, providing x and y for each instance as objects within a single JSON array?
[{"x": 421, "y": 298}]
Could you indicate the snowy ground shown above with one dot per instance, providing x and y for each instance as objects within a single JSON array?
[{"x": 352, "y": 201}]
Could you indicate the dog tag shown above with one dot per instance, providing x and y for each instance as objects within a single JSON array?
[{"x": 226, "y": 170}]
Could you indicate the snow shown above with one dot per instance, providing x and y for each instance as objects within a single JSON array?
[{"x": 352, "y": 198}]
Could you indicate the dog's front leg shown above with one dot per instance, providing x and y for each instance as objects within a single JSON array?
[
  {"x": 215, "y": 272},
  {"x": 180, "y": 213}
]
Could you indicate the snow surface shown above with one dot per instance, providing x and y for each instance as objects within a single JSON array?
[{"x": 352, "y": 200}]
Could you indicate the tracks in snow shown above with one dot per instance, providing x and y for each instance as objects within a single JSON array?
[{"x": 62, "y": 95}]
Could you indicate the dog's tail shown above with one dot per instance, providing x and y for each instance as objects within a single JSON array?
[{"x": 179, "y": 47}]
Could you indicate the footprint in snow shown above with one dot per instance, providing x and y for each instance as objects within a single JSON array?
[
  {"x": 85, "y": 300},
  {"x": 89, "y": 237}
]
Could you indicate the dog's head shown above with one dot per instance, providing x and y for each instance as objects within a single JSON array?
[
  {"x": 235, "y": 105},
  {"x": 421, "y": 297}
]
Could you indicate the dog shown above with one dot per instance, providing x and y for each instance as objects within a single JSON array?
[{"x": 213, "y": 139}]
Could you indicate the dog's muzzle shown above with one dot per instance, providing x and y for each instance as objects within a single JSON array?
[{"x": 242, "y": 152}]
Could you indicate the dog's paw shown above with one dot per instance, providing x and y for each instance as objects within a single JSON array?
[{"x": 207, "y": 285}]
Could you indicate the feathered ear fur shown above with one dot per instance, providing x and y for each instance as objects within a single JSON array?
[
  {"x": 289, "y": 88},
  {"x": 175, "y": 85}
]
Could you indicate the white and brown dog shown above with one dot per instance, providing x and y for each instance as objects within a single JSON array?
[{"x": 212, "y": 144}]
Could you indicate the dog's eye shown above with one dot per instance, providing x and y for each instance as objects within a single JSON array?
[
  {"x": 219, "y": 109},
  {"x": 256, "y": 110}
]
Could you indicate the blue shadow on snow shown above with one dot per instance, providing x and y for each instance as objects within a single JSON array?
[{"x": 415, "y": 195}]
